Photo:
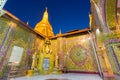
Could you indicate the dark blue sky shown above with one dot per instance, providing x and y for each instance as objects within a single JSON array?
[{"x": 63, "y": 14}]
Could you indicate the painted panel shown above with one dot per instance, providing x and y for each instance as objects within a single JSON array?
[{"x": 16, "y": 55}]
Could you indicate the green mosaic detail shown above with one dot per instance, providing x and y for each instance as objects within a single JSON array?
[{"x": 111, "y": 13}]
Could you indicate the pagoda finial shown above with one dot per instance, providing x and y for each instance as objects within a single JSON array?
[
  {"x": 45, "y": 16},
  {"x": 46, "y": 9},
  {"x": 60, "y": 32},
  {"x": 27, "y": 23},
  {"x": 90, "y": 19}
]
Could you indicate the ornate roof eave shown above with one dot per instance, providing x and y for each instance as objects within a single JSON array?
[
  {"x": 71, "y": 33},
  {"x": 11, "y": 16}
]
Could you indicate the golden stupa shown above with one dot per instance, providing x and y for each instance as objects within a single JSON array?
[{"x": 44, "y": 27}]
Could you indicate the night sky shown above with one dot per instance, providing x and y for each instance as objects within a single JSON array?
[{"x": 66, "y": 15}]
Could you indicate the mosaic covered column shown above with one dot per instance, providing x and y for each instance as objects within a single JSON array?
[
  {"x": 103, "y": 57},
  {"x": 111, "y": 13}
]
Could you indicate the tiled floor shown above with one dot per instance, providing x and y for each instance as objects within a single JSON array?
[{"x": 69, "y": 76}]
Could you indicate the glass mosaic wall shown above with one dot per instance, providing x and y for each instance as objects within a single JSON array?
[
  {"x": 75, "y": 53},
  {"x": 16, "y": 37}
]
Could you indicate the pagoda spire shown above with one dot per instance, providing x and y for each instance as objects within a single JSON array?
[{"x": 43, "y": 27}]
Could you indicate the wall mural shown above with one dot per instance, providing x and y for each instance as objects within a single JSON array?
[
  {"x": 74, "y": 53},
  {"x": 83, "y": 62},
  {"x": 21, "y": 40},
  {"x": 79, "y": 55},
  {"x": 13, "y": 36}
]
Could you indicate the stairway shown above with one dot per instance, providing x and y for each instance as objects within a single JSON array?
[{"x": 12, "y": 72}]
